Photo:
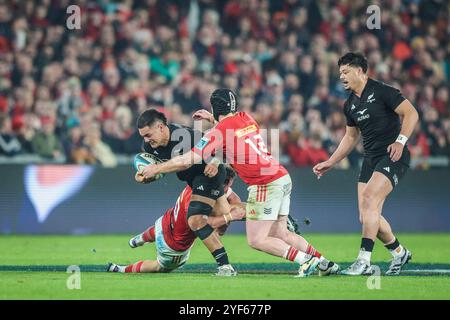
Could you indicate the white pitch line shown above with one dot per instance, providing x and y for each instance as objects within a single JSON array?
[{"x": 429, "y": 271}]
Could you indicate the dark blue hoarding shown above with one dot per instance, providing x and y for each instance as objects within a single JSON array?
[{"x": 57, "y": 199}]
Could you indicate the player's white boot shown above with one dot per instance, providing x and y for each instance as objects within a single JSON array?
[
  {"x": 308, "y": 268},
  {"x": 327, "y": 267},
  {"x": 359, "y": 268},
  {"x": 136, "y": 241},
  {"x": 398, "y": 262},
  {"x": 226, "y": 270},
  {"x": 112, "y": 267}
]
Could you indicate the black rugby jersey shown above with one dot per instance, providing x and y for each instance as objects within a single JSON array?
[
  {"x": 373, "y": 113},
  {"x": 182, "y": 139}
]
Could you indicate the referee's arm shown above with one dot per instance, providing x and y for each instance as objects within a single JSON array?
[{"x": 410, "y": 117}]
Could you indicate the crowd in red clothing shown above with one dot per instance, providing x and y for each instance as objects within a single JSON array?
[{"x": 90, "y": 84}]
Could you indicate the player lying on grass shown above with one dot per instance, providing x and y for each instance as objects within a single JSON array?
[
  {"x": 173, "y": 236},
  {"x": 237, "y": 136}
]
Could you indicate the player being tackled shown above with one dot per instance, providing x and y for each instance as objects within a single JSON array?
[
  {"x": 236, "y": 136},
  {"x": 174, "y": 238}
]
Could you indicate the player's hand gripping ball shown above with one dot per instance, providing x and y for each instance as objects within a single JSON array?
[{"x": 144, "y": 159}]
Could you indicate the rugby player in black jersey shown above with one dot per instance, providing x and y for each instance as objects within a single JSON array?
[
  {"x": 374, "y": 110},
  {"x": 165, "y": 141}
]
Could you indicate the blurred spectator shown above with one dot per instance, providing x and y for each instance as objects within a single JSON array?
[
  {"x": 418, "y": 144},
  {"x": 100, "y": 151},
  {"x": 74, "y": 148},
  {"x": 9, "y": 144},
  {"x": 45, "y": 142},
  {"x": 307, "y": 152}
]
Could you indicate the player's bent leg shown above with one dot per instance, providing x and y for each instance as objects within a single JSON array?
[
  {"x": 258, "y": 238},
  {"x": 394, "y": 171},
  {"x": 385, "y": 233},
  {"x": 198, "y": 224},
  {"x": 198, "y": 208},
  {"x": 400, "y": 255},
  {"x": 138, "y": 267},
  {"x": 371, "y": 199},
  {"x": 278, "y": 230},
  {"x": 373, "y": 196},
  {"x": 264, "y": 205},
  {"x": 139, "y": 240},
  {"x": 151, "y": 266}
]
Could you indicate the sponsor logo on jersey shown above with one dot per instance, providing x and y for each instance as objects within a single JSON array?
[
  {"x": 364, "y": 117},
  {"x": 202, "y": 143},
  {"x": 201, "y": 188},
  {"x": 353, "y": 107},
  {"x": 242, "y": 132},
  {"x": 387, "y": 169},
  {"x": 267, "y": 211},
  {"x": 362, "y": 111},
  {"x": 370, "y": 98},
  {"x": 252, "y": 213}
]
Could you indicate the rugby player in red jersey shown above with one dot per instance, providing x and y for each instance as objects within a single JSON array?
[
  {"x": 172, "y": 233},
  {"x": 237, "y": 136}
]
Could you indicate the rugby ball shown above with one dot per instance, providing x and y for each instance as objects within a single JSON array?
[{"x": 144, "y": 159}]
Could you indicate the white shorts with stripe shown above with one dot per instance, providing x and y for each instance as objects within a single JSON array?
[
  {"x": 267, "y": 202},
  {"x": 168, "y": 258}
]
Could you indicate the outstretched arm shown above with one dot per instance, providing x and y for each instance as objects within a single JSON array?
[
  {"x": 237, "y": 212},
  {"x": 178, "y": 163}
]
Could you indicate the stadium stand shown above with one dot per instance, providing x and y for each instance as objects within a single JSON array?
[{"x": 72, "y": 96}]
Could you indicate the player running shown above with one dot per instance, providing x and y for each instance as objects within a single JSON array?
[
  {"x": 173, "y": 236},
  {"x": 374, "y": 109},
  {"x": 165, "y": 141},
  {"x": 238, "y": 136}
]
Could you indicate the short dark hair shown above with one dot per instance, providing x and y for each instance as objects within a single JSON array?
[
  {"x": 354, "y": 59},
  {"x": 149, "y": 117},
  {"x": 231, "y": 174}
]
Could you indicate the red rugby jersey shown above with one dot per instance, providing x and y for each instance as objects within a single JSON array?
[
  {"x": 240, "y": 139},
  {"x": 177, "y": 233}
]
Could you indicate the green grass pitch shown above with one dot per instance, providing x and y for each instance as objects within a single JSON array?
[{"x": 33, "y": 267}]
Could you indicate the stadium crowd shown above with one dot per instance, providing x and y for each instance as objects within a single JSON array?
[{"x": 75, "y": 94}]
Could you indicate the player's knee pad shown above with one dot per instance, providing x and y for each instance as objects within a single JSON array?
[
  {"x": 203, "y": 209},
  {"x": 204, "y": 232},
  {"x": 198, "y": 208}
]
